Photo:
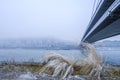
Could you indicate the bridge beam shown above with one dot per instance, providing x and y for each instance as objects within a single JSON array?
[{"x": 108, "y": 24}]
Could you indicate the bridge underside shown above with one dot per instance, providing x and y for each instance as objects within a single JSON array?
[
  {"x": 106, "y": 26},
  {"x": 109, "y": 31}
]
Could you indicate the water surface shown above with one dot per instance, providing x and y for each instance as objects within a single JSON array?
[{"x": 110, "y": 55}]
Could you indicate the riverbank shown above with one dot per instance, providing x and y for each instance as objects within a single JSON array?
[{"x": 32, "y": 71}]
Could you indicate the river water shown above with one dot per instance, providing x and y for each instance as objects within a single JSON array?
[{"x": 109, "y": 55}]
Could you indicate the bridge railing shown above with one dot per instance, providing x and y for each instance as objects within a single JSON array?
[
  {"x": 95, "y": 11},
  {"x": 99, "y": 3}
]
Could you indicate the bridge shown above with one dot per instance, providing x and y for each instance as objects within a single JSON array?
[{"x": 105, "y": 21}]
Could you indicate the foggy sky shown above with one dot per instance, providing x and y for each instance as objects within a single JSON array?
[{"x": 62, "y": 19}]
